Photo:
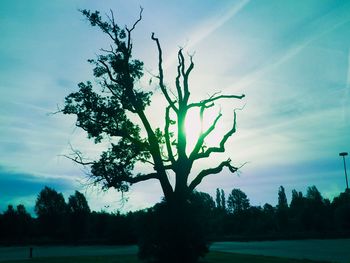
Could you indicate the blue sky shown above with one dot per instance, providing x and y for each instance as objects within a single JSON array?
[{"x": 290, "y": 58}]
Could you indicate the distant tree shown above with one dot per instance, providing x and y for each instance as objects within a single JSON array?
[
  {"x": 79, "y": 211},
  {"x": 218, "y": 198},
  {"x": 237, "y": 201},
  {"x": 104, "y": 113},
  {"x": 270, "y": 218},
  {"x": 315, "y": 215},
  {"x": 297, "y": 201},
  {"x": 341, "y": 207},
  {"x": 314, "y": 195},
  {"x": 223, "y": 199},
  {"x": 51, "y": 210},
  {"x": 282, "y": 199},
  {"x": 9, "y": 223},
  {"x": 24, "y": 221},
  {"x": 297, "y": 210},
  {"x": 282, "y": 209}
]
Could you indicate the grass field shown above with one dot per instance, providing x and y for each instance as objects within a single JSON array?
[{"x": 213, "y": 257}]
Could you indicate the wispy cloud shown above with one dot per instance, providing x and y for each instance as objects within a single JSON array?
[
  {"x": 208, "y": 26},
  {"x": 212, "y": 24},
  {"x": 318, "y": 29}
]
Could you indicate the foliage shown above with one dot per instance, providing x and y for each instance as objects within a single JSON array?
[
  {"x": 78, "y": 210},
  {"x": 237, "y": 201},
  {"x": 305, "y": 219},
  {"x": 51, "y": 209}
]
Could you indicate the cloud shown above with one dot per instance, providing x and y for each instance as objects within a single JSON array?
[{"x": 18, "y": 187}]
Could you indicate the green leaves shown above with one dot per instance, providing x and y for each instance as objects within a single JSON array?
[{"x": 117, "y": 163}]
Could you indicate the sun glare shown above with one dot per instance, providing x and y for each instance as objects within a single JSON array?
[{"x": 194, "y": 126}]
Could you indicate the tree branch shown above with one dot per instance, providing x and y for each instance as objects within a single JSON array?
[
  {"x": 203, "y": 135},
  {"x": 221, "y": 147},
  {"x": 167, "y": 135},
  {"x": 161, "y": 76},
  {"x": 198, "y": 179},
  {"x": 132, "y": 28},
  {"x": 108, "y": 71},
  {"x": 140, "y": 178},
  {"x": 79, "y": 159},
  {"x": 177, "y": 79},
  {"x": 186, "y": 75},
  {"x": 214, "y": 98}
]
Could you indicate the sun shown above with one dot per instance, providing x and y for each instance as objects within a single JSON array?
[{"x": 193, "y": 127}]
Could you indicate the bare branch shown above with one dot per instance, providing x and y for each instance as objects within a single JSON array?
[
  {"x": 161, "y": 76},
  {"x": 137, "y": 21},
  {"x": 132, "y": 28},
  {"x": 212, "y": 99},
  {"x": 78, "y": 157},
  {"x": 186, "y": 75},
  {"x": 108, "y": 71},
  {"x": 140, "y": 178},
  {"x": 111, "y": 51},
  {"x": 198, "y": 179},
  {"x": 203, "y": 135},
  {"x": 177, "y": 79},
  {"x": 167, "y": 135},
  {"x": 221, "y": 147}
]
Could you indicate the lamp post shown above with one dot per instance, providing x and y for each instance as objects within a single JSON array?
[{"x": 343, "y": 154}]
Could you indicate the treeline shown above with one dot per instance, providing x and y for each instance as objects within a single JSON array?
[
  {"x": 58, "y": 221},
  {"x": 306, "y": 216},
  {"x": 231, "y": 218}
]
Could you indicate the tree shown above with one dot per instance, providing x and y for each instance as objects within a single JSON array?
[
  {"x": 79, "y": 211},
  {"x": 220, "y": 199},
  {"x": 51, "y": 210},
  {"x": 316, "y": 215},
  {"x": 282, "y": 209},
  {"x": 237, "y": 201},
  {"x": 223, "y": 199},
  {"x": 282, "y": 199},
  {"x": 9, "y": 223},
  {"x": 104, "y": 114},
  {"x": 23, "y": 221}
]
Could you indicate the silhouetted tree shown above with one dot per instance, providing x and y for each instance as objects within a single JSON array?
[
  {"x": 341, "y": 207},
  {"x": 315, "y": 217},
  {"x": 24, "y": 221},
  {"x": 104, "y": 114},
  {"x": 9, "y": 223},
  {"x": 79, "y": 211},
  {"x": 282, "y": 209},
  {"x": 237, "y": 201},
  {"x": 282, "y": 199},
  {"x": 51, "y": 210},
  {"x": 218, "y": 198},
  {"x": 269, "y": 219},
  {"x": 223, "y": 199},
  {"x": 297, "y": 210}
]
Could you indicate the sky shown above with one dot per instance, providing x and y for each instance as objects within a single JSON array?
[{"x": 290, "y": 58}]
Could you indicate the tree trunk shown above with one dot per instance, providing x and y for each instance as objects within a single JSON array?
[{"x": 174, "y": 232}]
